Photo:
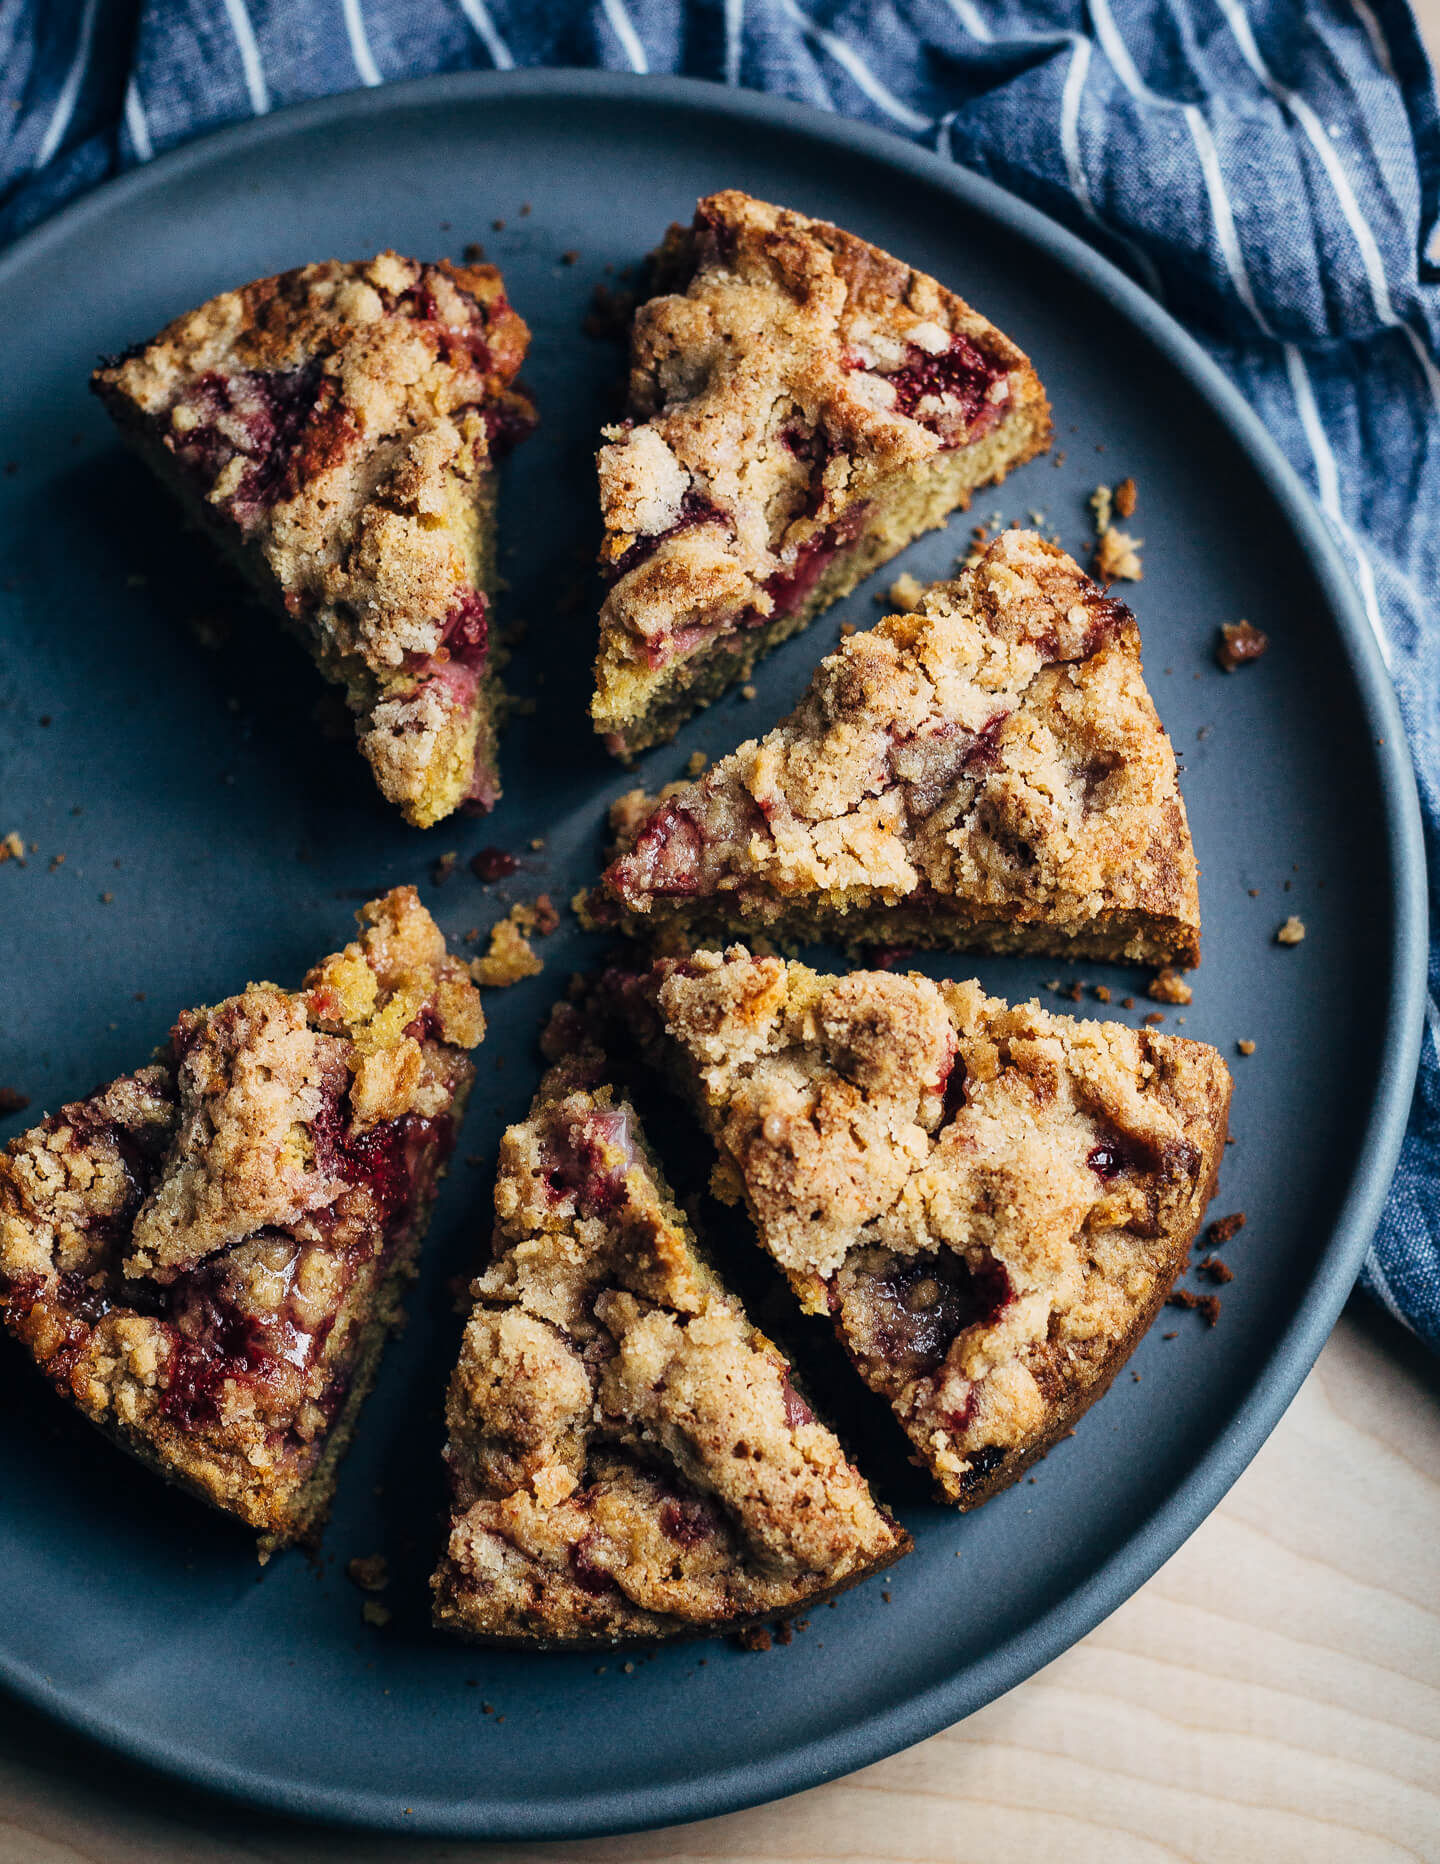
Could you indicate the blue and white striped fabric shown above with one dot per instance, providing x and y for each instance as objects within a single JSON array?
[{"x": 1269, "y": 169}]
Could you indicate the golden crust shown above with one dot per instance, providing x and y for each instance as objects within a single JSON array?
[
  {"x": 987, "y": 1197},
  {"x": 331, "y": 428},
  {"x": 628, "y": 1456},
  {"x": 764, "y": 414},
  {"x": 990, "y": 761},
  {"x": 206, "y": 1255}
]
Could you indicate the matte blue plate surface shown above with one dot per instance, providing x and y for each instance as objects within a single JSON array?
[{"x": 193, "y": 786}]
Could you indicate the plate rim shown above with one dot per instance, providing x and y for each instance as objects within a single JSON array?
[{"x": 1194, "y": 1495}]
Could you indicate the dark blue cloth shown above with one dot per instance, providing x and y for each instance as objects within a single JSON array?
[{"x": 1268, "y": 168}]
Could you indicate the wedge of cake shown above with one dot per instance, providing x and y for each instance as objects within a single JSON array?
[
  {"x": 801, "y": 406},
  {"x": 629, "y": 1457},
  {"x": 336, "y": 431},
  {"x": 991, "y": 1202},
  {"x": 206, "y": 1256},
  {"x": 984, "y": 774}
]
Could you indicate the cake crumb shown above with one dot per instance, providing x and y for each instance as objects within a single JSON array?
[
  {"x": 570, "y": 256},
  {"x": 1100, "y": 505},
  {"x": 1127, "y": 1003},
  {"x": 510, "y": 958},
  {"x": 12, "y": 848},
  {"x": 1207, "y": 1305},
  {"x": 1168, "y": 986},
  {"x": 369, "y": 1571},
  {"x": 1125, "y": 499},
  {"x": 905, "y": 592},
  {"x": 444, "y": 867},
  {"x": 1217, "y": 1270},
  {"x": 1239, "y": 643},
  {"x": 747, "y": 692},
  {"x": 696, "y": 764},
  {"x": 538, "y": 915},
  {"x": 1102, "y": 993},
  {"x": 1117, "y": 557},
  {"x": 1154, "y": 1018},
  {"x": 608, "y": 319},
  {"x": 374, "y": 1613},
  {"x": 1224, "y": 1228},
  {"x": 1245, "y": 1046},
  {"x": 847, "y": 628},
  {"x": 474, "y": 253},
  {"x": 1291, "y": 932},
  {"x": 754, "y": 1638},
  {"x": 12, "y": 1100}
]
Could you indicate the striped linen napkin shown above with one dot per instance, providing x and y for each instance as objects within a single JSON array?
[{"x": 1268, "y": 170}]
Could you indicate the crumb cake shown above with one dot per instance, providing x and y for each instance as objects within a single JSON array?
[
  {"x": 629, "y": 1457},
  {"x": 801, "y": 405},
  {"x": 336, "y": 430},
  {"x": 991, "y": 1202},
  {"x": 985, "y": 772},
  {"x": 207, "y": 1255}
]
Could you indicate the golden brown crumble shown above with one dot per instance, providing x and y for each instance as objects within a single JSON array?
[
  {"x": 334, "y": 430},
  {"x": 770, "y": 459},
  {"x": 628, "y": 1454},
  {"x": 988, "y": 771},
  {"x": 992, "y": 1201},
  {"x": 511, "y": 957},
  {"x": 206, "y": 1255}
]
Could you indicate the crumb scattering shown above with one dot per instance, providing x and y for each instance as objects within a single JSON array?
[
  {"x": 1223, "y": 1229},
  {"x": 510, "y": 958},
  {"x": 1117, "y": 557},
  {"x": 12, "y": 848},
  {"x": 1102, "y": 993},
  {"x": 1168, "y": 986},
  {"x": 1245, "y": 1046},
  {"x": 1291, "y": 932},
  {"x": 1238, "y": 644},
  {"x": 1125, "y": 498},
  {"x": 905, "y": 592},
  {"x": 369, "y": 1571},
  {"x": 1101, "y": 502},
  {"x": 696, "y": 764},
  {"x": 1206, "y": 1305},
  {"x": 1217, "y": 1270},
  {"x": 747, "y": 692}
]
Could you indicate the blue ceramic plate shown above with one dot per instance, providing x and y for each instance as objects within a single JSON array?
[{"x": 212, "y": 834}]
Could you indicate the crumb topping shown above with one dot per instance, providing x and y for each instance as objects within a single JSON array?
[
  {"x": 194, "y": 1253},
  {"x": 628, "y": 1454},
  {"x": 338, "y": 426},
  {"x": 989, "y": 1199},
  {"x": 995, "y": 754},
  {"x": 782, "y": 374}
]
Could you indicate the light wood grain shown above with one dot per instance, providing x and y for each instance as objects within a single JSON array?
[{"x": 1272, "y": 1695}]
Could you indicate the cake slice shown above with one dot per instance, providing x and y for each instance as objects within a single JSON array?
[
  {"x": 986, "y": 774},
  {"x": 336, "y": 431},
  {"x": 206, "y": 1256},
  {"x": 991, "y": 1202},
  {"x": 801, "y": 406},
  {"x": 629, "y": 1457}
]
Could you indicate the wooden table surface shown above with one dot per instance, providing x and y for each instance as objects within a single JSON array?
[{"x": 1273, "y": 1694}]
